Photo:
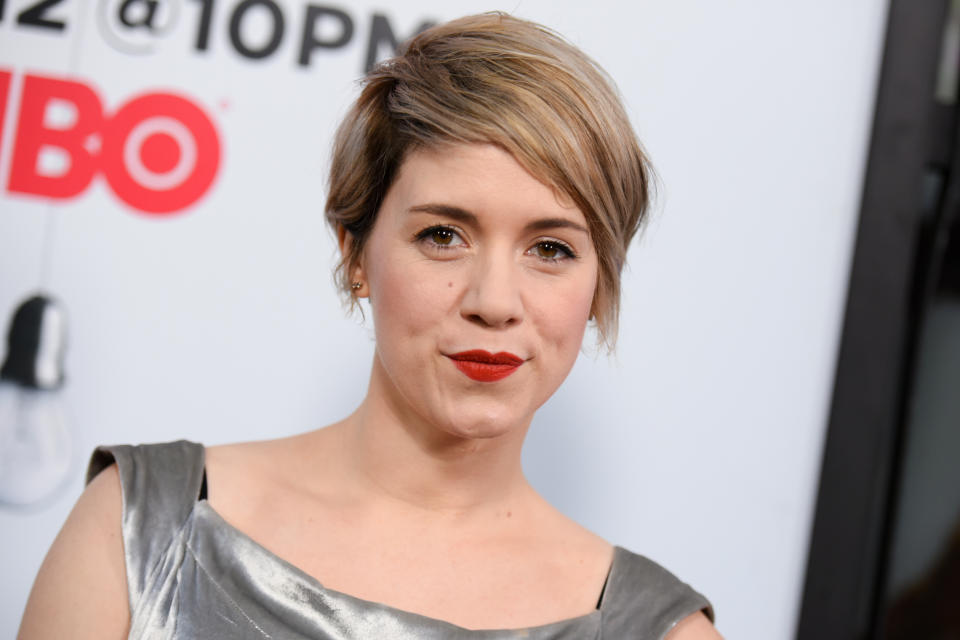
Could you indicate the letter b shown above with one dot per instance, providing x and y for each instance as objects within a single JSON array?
[{"x": 34, "y": 133}]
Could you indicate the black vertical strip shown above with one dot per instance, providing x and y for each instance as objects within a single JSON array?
[
  {"x": 868, "y": 400},
  {"x": 203, "y": 25}
]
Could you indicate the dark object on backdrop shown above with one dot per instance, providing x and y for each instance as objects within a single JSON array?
[{"x": 35, "y": 444}]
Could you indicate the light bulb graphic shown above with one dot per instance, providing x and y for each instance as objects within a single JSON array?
[{"x": 35, "y": 443}]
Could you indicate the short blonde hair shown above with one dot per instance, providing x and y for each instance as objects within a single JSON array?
[{"x": 493, "y": 78}]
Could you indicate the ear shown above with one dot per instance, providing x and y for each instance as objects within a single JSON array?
[{"x": 355, "y": 271}]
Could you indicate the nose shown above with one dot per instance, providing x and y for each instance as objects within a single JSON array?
[{"x": 493, "y": 296}]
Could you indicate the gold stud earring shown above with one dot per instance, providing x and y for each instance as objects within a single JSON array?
[{"x": 356, "y": 285}]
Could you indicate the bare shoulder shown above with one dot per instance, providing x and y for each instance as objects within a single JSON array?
[
  {"x": 237, "y": 476},
  {"x": 578, "y": 540},
  {"x": 581, "y": 555},
  {"x": 81, "y": 588},
  {"x": 696, "y": 626},
  {"x": 244, "y": 479},
  {"x": 251, "y": 464},
  {"x": 278, "y": 457}
]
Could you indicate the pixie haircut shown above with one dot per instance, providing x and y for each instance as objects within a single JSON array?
[{"x": 493, "y": 78}]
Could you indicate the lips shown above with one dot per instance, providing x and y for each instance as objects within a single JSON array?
[{"x": 484, "y": 366}]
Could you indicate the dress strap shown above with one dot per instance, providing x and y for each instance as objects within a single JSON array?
[
  {"x": 642, "y": 599},
  {"x": 160, "y": 484}
]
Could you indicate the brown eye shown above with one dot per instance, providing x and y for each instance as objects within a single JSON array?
[
  {"x": 439, "y": 237},
  {"x": 552, "y": 252},
  {"x": 442, "y": 236},
  {"x": 548, "y": 250}
]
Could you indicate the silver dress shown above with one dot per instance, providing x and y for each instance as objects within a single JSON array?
[{"x": 190, "y": 574}]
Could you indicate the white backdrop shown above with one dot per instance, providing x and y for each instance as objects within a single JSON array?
[{"x": 698, "y": 444}]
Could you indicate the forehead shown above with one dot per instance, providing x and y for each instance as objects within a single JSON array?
[{"x": 483, "y": 178}]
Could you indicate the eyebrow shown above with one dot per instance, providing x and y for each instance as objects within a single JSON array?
[{"x": 466, "y": 217}]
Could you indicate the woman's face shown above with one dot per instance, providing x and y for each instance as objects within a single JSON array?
[{"x": 480, "y": 281}]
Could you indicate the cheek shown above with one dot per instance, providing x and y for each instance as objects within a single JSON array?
[
  {"x": 564, "y": 315},
  {"x": 404, "y": 300}
]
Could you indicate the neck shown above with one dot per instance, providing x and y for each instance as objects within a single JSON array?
[{"x": 402, "y": 456}]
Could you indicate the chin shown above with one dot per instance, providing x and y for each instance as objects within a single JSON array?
[{"x": 485, "y": 425}]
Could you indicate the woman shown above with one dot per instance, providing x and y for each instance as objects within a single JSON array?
[{"x": 484, "y": 189}]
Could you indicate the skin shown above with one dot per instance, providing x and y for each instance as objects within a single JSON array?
[{"x": 423, "y": 483}]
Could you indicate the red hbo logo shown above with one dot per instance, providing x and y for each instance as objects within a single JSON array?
[{"x": 159, "y": 152}]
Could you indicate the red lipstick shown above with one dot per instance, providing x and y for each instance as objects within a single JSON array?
[{"x": 484, "y": 366}]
